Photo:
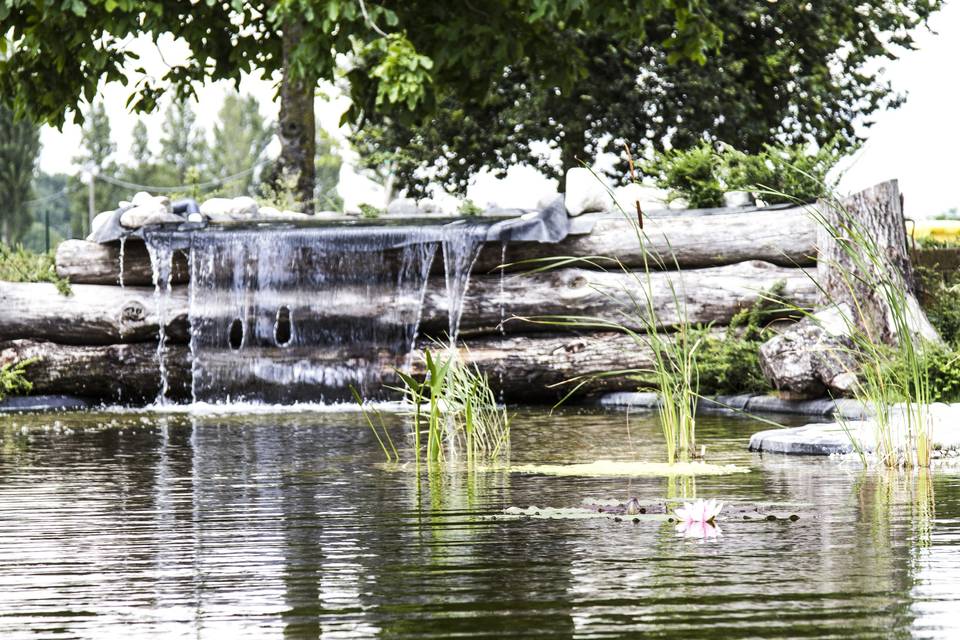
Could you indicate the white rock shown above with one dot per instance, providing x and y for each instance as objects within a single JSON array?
[
  {"x": 586, "y": 192},
  {"x": 241, "y": 207},
  {"x": 403, "y": 207},
  {"x": 428, "y": 206},
  {"x": 146, "y": 215},
  {"x": 547, "y": 199},
  {"x": 738, "y": 199},
  {"x": 144, "y": 199},
  {"x": 650, "y": 198},
  {"x": 678, "y": 204}
]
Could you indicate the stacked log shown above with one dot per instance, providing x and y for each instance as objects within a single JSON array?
[{"x": 101, "y": 341}]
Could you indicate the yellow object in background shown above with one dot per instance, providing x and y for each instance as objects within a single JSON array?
[{"x": 944, "y": 230}]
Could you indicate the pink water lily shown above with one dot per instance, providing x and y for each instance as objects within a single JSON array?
[{"x": 699, "y": 519}]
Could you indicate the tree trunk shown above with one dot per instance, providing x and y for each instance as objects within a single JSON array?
[
  {"x": 298, "y": 129},
  {"x": 785, "y": 237},
  {"x": 849, "y": 274},
  {"x": 98, "y": 314},
  {"x": 572, "y": 147}
]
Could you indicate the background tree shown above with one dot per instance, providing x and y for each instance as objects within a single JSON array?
[
  {"x": 19, "y": 150},
  {"x": 403, "y": 54},
  {"x": 786, "y": 71},
  {"x": 97, "y": 153},
  {"x": 183, "y": 145},
  {"x": 239, "y": 139}
]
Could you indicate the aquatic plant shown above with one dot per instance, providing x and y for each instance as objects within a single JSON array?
[{"x": 457, "y": 407}]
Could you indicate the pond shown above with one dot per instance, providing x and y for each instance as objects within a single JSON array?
[{"x": 264, "y": 526}]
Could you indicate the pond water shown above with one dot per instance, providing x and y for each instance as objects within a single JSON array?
[{"x": 266, "y": 526}]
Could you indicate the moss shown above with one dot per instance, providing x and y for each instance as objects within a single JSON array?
[{"x": 19, "y": 265}]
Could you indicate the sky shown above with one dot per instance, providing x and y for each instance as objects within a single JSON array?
[{"x": 918, "y": 144}]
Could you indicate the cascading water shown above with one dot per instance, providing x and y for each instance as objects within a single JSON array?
[
  {"x": 461, "y": 246},
  {"x": 161, "y": 260},
  {"x": 286, "y": 315}
]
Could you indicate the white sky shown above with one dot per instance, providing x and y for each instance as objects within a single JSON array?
[{"x": 918, "y": 143}]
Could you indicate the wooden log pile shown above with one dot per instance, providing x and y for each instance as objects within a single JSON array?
[{"x": 101, "y": 342}]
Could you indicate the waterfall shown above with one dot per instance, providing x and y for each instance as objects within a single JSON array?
[{"x": 302, "y": 314}]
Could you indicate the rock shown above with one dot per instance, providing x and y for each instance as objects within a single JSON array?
[
  {"x": 650, "y": 198},
  {"x": 430, "y": 207},
  {"x": 586, "y": 192},
  {"x": 241, "y": 207},
  {"x": 812, "y": 357},
  {"x": 403, "y": 207},
  {"x": 547, "y": 199},
  {"x": 272, "y": 213},
  {"x": 144, "y": 199},
  {"x": 142, "y": 216},
  {"x": 738, "y": 199}
]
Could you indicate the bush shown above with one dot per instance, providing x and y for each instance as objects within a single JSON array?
[
  {"x": 701, "y": 174},
  {"x": 369, "y": 211},
  {"x": 20, "y": 265},
  {"x": 692, "y": 174},
  {"x": 470, "y": 208},
  {"x": 940, "y": 298}
]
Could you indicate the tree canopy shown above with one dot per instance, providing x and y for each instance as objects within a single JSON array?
[
  {"x": 787, "y": 71},
  {"x": 405, "y": 57}
]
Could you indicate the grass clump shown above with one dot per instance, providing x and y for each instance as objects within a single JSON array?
[
  {"x": 13, "y": 380},
  {"x": 455, "y": 415},
  {"x": 20, "y": 265},
  {"x": 470, "y": 209},
  {"x": 369, "y": 211}
]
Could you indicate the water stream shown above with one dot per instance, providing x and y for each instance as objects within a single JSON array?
[{"x": 286, "y": 314}]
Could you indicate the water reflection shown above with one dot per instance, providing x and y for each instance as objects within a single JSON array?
[{"x": 259, "y": 527}]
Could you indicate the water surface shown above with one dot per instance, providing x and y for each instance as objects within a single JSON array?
[{"x": 286, "y": 526}]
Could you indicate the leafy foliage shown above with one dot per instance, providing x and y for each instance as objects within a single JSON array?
[
  {"x": 369, "y": 211},
  {"x": 20, "y": 265},
  {"x": 785, "y": 71},
  {"x": 731, "y": 364},
  {"x": 693, "y": 174},
  {"x": 939, "y": 291},
  {"x": 13, "y": 379}
]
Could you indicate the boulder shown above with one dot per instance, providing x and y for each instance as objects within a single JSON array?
[
  {"x": 586, "y": 192},
  {"x": 143, "y": 215},
  {"x": 813, "y": 357},
  {"x": 100, "y": 220},
  {"x": 403, "y": 207},
  {"x": 738, "y": 199},
  {"x": 242, "y": 207},
  {"x": 650, "y": 198}
]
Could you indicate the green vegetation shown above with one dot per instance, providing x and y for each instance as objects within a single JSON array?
[
  {"x": 13, "y": 379},
  {"x": 19, "y": 151},
  {"x": 731, "y": 364},
  {"x": 369, "y": 211},
  {"x": 20, "y": 265},
  {"x": 782, "y": 72},
  {"x": 470, "y": 208},
  {"x": 458, "y": 409},
  {"x": 702, "y": 174}
]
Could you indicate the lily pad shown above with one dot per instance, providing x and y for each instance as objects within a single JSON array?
[
  {"x": 614, "y": 468},
  {"x": 570, "y": 513}
]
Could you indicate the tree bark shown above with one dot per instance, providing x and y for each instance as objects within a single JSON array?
[
  {"x": 298, "y": 130},
  {"x": 99, "y": 314},
  {"x": 849, "y": 274},
  {"x": 785, "y": 237},
  {"x": 522, "y": 368}
]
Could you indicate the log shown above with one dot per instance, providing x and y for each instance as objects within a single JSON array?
[
  {"x": 84, "y": 262},
  {"x": 785, "y": 237},
  {"x": 100, "y": 314},
  {"x": 93, "y": 314},
  {"x": 526, "y": 369},
  {"x": 116, "y": 373},
  {"x": 853, "y": 272},
  {"x": 712, "y": 295}
]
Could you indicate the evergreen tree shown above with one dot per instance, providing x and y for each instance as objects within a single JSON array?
[
  {"x": 183, "y": 147},
  {"x": 19, "y": 149},
  {"x": 238, "y": 141}
]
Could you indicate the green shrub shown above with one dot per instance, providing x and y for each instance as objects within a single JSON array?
[
  {"x": 731, "y": 364},
  {"x": 19, "y": 265},
  {"x": 692, "y": 174},
  {"x": 470, "y": 208},
  {"x": 13, "y": 380},
  {"x": 369, "y": 211},
  {"x": 940, "y": 298}
]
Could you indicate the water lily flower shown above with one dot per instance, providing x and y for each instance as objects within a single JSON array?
[{"x": 698, "y": 519}]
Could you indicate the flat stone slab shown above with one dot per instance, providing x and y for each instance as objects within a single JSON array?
[
  {"x": 818, "y": 439},
  {"x": 827, "y": 407}
]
